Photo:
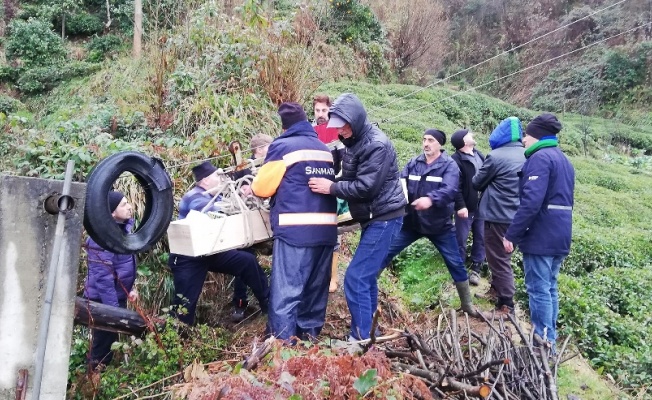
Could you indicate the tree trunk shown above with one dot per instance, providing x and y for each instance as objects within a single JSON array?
[
  {"x": 108, "y": 318},
  {"x": 63, "y": 25},
  {"x": 138, "y": 28}
]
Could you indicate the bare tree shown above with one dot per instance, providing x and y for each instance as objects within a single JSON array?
[
  {"x": 417, "y": 31},
  {"x": 138, "y": 28}
]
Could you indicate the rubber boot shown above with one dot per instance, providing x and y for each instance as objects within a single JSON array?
[
  {"x": 464, "y": 291},
  {"x": 333, "y": 287}
]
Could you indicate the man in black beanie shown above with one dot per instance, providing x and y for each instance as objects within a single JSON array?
[
  {"x": 111, "y": 278},
  {"x": 304, "y": 225},
  {"x": 432, "y": 181},
  {"x": 189, "y": 273},
  {"x": 542, "y": 226},
  {"x": 469, "y": 160}
]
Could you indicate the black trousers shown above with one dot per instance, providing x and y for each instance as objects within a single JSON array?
[
  {"x": 101, "y": 343},
  {"x": 189, "y": 274}
]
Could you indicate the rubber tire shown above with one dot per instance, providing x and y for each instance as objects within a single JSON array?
[{"x": 159, "y": 202}]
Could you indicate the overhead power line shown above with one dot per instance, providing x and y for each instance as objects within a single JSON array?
[
  {"x": 496, "y": 56},
  {"x": 517, "y": 72}
]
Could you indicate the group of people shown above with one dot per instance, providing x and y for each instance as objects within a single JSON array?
[{"x": 520, "y": 194}]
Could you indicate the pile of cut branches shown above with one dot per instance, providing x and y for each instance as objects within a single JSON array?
[{"x": 458, "y": 359}]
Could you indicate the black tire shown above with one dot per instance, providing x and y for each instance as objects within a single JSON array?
[{"x": 159, "y": 202}]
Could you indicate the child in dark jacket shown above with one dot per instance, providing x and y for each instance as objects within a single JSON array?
[{"x": 110, "y": 278}]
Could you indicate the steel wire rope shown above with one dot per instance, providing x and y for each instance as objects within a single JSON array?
[
  {"x": 515, "y": 73},
  {"x": 493, "y": 58}
]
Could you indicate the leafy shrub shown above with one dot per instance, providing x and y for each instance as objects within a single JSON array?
[
  {"x": 41, "y": 79},
  {"x": 142, "y": 362},
  {"x": 8, "y": 104},
  {"x": 354, "y": 22},
  {"x": 100, "y": 46},
  {"x": 34, "y": 44},
  {"x": 83, "y": 23}
]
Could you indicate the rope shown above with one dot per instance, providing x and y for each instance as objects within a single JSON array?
[
  {"x": 494, "y": 57},
  {"x": 517, "y": 72}
]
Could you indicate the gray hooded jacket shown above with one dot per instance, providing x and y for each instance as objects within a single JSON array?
[{"x": 370, "y": 178}]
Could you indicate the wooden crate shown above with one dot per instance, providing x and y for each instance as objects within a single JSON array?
[{"x": 199, "y": 234}]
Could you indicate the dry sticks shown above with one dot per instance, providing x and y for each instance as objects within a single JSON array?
[{"x": 483, "y": 360}]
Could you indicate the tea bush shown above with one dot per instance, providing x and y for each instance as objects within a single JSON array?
[{"x": 33, "y": 43}]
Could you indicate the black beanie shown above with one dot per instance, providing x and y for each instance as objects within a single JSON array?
[
  {"x": 115, "y": 198},
  {"x": 545, "y": 124},
  {"x": 202, "y": 170},
  {"x": 291, "y": 113},
  {"x": 437, "y": 134},
  {"x": 457, "y": 139}
]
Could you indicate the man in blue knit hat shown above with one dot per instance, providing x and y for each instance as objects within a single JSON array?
[
  {"x": 543, "y": 223},
  {"x": 498, "y": 182}
]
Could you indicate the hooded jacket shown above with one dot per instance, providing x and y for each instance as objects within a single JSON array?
[
  {"x": 299, "y": 217},
  {"x": 439, "y": 182},
  {"x": 111, "y": 276},
  {"x": 370, "y": 178},
  {"x": 498, "y": 177}
]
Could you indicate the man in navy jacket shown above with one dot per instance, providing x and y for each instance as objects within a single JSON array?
[
  {"x": 542, "y": 225},
  {"x": 432, "y": 180},
  {"x": 304, "y": 225}
]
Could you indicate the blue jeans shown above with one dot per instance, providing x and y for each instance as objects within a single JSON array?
[
  {"x": 462, "y": 228},
  {"x": 361, "y": 278},
  {"x": 446, "y": 244},
  {"x": 541, "y": 274}
]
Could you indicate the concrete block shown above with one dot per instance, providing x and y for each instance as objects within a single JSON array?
[{"x": 26, "y": 241}]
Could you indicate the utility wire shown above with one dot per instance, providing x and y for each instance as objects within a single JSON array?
[
  {"x": 494, "y": 57},
  {"x": 517, "y": 72}
]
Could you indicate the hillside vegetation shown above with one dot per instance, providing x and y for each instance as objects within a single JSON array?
[{"x": 214, "y": 71}]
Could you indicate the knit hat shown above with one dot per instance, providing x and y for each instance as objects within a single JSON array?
[
  {"x": 437, "y": 134},
  {"x": 115, "y": 198},
  {"x": 202, "y": 170},
  {"x": 545, "y": 124},
  {"x": 291, "y": 113},
  {"x": 457, "y": 139}
]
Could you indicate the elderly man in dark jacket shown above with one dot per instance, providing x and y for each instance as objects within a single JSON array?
[
  {"x": 469, "y": 160},
  {"x": 370, "y": 183},
  {"x": 498, "y": 180},
  {"x": 111, "y": 278},
  {"x": 432, "y": 180},
  {"x": 542, "y": 225}
]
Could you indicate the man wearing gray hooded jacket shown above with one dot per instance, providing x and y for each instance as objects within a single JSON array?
[
  {"x": 498, "y": 181},
  {"x": 370, "y": 183}
]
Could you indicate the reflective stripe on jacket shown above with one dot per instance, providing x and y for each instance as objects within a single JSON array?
[{"x": 299, "y": 217}]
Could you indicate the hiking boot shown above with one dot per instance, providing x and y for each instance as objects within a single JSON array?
[
  {"x": 490, "y": 295},
  {"x": 239, "y": 311},
  {"x": 474, "y": 278}
]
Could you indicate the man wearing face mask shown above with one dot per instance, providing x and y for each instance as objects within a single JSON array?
[{"x": 370, "y": 183}]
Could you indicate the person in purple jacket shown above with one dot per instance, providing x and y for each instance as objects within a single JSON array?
[
  {"x": 543, "y": 222},
  {"x": 111, "y": 278}
]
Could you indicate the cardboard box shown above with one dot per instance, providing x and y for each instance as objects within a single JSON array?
[{"x": 199, "y": 234}]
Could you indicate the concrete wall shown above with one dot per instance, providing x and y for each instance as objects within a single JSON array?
[{"x": 26, "y": 241}]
